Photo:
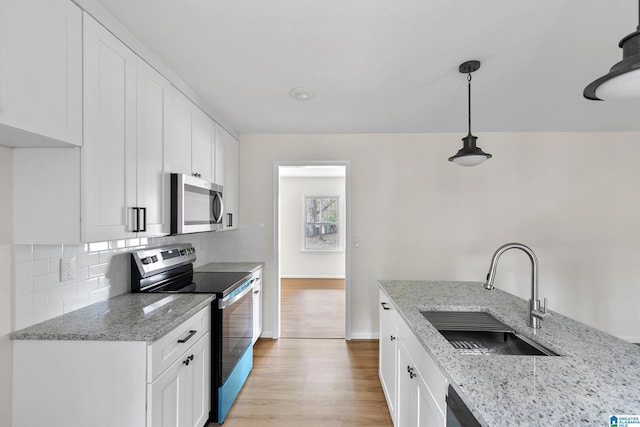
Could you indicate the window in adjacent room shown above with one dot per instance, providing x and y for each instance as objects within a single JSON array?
[{"x": 321, "y": 225}]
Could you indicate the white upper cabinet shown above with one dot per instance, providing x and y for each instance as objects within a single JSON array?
[
  {"x": 202, "y": 145},
  {"x": 226, "y": 173},
  {"x": 40, "y": 73},
  {"x": 108, "y": 155},
  {"x": 124, "y": 187},
  {"x": 152, "y": 193},
  {"x": 189, "y": 142}
]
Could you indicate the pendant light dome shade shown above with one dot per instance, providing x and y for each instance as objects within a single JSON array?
[
  {"x": 469, "y": 154},
  {"x": 623, "y": 80}
]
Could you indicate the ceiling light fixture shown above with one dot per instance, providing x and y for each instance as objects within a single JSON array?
[
  {"x": 623, "y": 80},
  {"x": 301, "y": 93},
  {"x": 469, "y": 154}
]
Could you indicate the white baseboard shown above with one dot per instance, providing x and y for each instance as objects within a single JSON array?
[
  {"x": 365, "y": 335},
  {"x": 356, "y": 336}
]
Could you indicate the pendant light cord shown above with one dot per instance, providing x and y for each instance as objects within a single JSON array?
[{"x": 469, "y": 90}]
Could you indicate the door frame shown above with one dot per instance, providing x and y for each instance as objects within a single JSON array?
[{"x": 276, "y": 238}]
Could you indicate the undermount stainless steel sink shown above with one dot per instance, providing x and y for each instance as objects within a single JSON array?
[{"x": 479, "y": 333}]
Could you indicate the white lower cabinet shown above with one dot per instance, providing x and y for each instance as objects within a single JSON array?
[
  {"x": 257, "y": 305},
  {"x": 62, "y": 383},
  {"x": 388, "y": 352},
  {"x": 416, "y": 388},
  {"x": 179, "y": 396}
]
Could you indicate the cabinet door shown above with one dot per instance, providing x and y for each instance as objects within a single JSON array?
[
  {"x": 41, "y": 70},
  {"x": 226, "y": 169},
  {"x": 152, "y": 192},
  {"x": 388, "y": 351},
  {"x": 257, "y": 305},
  {"x": 198, "y": 398},
  {"x": 177, "y": 145},
  {"x": 163, "y": 398},
  {"x": 109, "y": 155},
  {"x": 201, "y": 145},
  {"x": 180, "y": 397},
  {"x": 408, "y": 393}
]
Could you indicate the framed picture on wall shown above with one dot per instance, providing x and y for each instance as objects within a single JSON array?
[{"x": 321, "y": 223}]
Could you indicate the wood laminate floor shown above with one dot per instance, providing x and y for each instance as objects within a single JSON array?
[
  {"x": 312, "y": 383},
  {"x": 312, "y": 308}
]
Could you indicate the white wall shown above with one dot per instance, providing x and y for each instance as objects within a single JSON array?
[
  {"x": 297, "y": 263},
  {"x": 6, "y": 353},
  {"x": 572, "y": 197}
]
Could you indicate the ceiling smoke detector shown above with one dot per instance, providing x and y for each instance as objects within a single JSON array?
[{"x": 301, "y": 93}]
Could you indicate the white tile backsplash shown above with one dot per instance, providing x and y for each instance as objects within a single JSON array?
[
  {"x": 103, "y": 269},
  {"x": 22, "y": 253},
  {"x": 47, "y": 251}
]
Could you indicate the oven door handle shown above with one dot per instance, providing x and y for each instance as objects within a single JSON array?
[{"x": 224, "y": 303}]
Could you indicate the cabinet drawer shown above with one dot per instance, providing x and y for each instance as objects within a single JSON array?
[{"x": 162, "y": 353}]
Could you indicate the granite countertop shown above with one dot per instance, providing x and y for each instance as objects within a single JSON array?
[
  {"x": 127, "y": 317},
  {"x": 234, "y": 267},
  {"x": 596, "y": 375}
]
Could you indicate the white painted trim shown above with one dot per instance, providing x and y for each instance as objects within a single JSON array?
[
  {"x": 276, "y": 239},
  {"x": 310, "y": 276},
  {"x": 365, "y": 336}
]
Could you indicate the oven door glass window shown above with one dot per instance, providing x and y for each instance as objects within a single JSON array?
[{"x": 237, "y": 333}]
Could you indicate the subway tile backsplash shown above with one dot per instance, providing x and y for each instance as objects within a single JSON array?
[{"x": 102, "y": 269}]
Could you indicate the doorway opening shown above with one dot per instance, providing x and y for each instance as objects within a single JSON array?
[{"x": 311, "y": 249}]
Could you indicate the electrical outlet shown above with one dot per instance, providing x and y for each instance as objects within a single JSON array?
[{"x": 67, "y": 269}]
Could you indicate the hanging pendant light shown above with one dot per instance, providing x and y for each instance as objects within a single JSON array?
[
  {"x": 469, "y": 154},
  {"x": 623, "y": 80}
]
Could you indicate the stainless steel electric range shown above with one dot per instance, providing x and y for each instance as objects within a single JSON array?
[{"x": 169, "y": 269}]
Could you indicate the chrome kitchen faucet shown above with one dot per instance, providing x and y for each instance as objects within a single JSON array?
[{"x": 535, "y": 314}]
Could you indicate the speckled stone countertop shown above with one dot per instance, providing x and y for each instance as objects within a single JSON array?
[
  {"x": 235, "y": 267},
  {"x": 597, "y": 374},
  {"x": 128, "y": 317}
]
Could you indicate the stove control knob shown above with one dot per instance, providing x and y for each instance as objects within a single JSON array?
[
  {"x": 154, "y": 259},
  {"x": 182, "y": 252},
  {"x": 146, "y": 261}
]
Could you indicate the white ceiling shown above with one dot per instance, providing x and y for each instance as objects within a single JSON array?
[{"x": 389, "y": 66}]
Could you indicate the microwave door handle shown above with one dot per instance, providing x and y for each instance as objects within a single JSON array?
[{"x": 219, "y": 197}]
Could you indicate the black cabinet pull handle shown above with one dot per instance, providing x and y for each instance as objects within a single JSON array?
[
  {"x": 188, "y": 360},
  {"x": 384, "y": 306},
  {"x": 144, "y": 222},
  {"x": 136, "y": 228},
  {"x": 411, "y": 371},
  {"x": 229, "y": 220},
  {"x": 393, "y": 338},
  {"x": 188, "y": 337}
]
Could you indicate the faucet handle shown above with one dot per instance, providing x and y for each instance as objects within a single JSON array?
[{"x": 541, "y": 313}]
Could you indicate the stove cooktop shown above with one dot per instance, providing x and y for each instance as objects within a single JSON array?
[{"x": 220, "y": 283}]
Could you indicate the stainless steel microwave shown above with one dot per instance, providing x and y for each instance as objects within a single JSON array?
[{"x": 196, "y": 205}]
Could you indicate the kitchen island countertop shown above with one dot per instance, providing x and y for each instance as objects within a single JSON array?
[
  {"x": 127, "y": 317},
  {"x": 596, "y": 376}
]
